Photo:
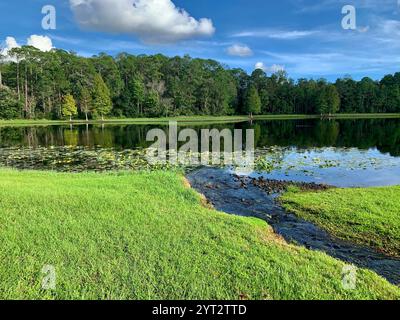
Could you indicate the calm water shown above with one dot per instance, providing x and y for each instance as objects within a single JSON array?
[{"x": 339, "y": 152}]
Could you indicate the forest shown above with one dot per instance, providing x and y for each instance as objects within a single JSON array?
[{"x": 62, "y": 85}]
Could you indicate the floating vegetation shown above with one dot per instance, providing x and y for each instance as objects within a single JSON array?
[
  {"x": 73, "y": 159},
  {"x": 267, "y": 160},
  {"x": 307, "y": 160},
  {"x": 79, "y": 159}
]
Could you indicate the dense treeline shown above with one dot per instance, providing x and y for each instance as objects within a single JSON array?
[{"x": 59, "y": 85}]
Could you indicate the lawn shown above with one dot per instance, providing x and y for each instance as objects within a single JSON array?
[
  {"x": 368, "y": 216},
  {"x": 148, "y": 236},
  {"x": 180, "y": 120}
]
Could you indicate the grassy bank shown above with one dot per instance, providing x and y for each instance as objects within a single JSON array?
[
  {"x": 181, "y": 120},
  {"x": 147, "y": 236},
  {"x": 365, "y": 216},
  {"x": 193, "y": 119}
]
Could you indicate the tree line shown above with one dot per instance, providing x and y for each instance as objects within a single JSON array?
[{"x": 60, "y": 84}]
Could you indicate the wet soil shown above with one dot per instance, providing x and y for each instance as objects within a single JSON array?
[{"x": 246, "y": 196}]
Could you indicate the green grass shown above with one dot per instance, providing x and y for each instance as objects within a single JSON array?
[
  {"x": 180, "y": 120},
  {"x": 193, "y": 119},
  {"x": 368, "y": 216},
  {"x": 333, "y": 116},
  {"x": 147, "y": 236}
]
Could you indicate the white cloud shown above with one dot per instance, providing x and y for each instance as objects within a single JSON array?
[
  {"x": 391, "y": 27},
  {"x": 269, "y": 69},
  {"x": 43, "y": 43},
  {"x": 10, "y": 43},
  {"x": 259, "y": 65},
  {"x": 276, "y": 34},
  {"x": 240, "y": 51},
  {"x": 153, "y": 21},
  {"x": 363, "y": 29}
]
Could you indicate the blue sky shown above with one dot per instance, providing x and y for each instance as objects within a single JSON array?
[{"x": 305, "y": 37}]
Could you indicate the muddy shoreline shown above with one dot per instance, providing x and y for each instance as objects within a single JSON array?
[
  {"x": 256, "y": 197},
  {"x": 273, "y": 187}
]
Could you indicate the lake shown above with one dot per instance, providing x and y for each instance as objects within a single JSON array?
[{"x": 344, "y": 153}]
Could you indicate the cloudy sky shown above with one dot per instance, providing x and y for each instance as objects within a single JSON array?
[{"x": 304, "y": 37}]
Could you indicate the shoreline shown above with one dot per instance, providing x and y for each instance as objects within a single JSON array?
[
  {"x": 251, "y": 198},
  {"x": 195, "y": 119}
]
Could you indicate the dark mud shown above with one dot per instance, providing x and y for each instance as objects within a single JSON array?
[
  {"x": 278, "y": 186},
  {"x": 257, "y": 198}
]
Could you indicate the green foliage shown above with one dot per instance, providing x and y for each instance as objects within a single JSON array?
[
  {"x": 253, "y": 101},
  {"x": 85, "y": 102},
  {"x": 10, "y": 107},
  {"x": 152, "y": 103},
  {"x": 327, "y": 99},
  {"x": 121, "y": 86},
  {"x": 107, "y": 67},
  {"x": 102, "y": 103},
  {"x": 138, "y": 94},
  {"x": 146, "y": 236},
  {"x": 333, "y": 99},
  {"x": 69, "y": 108}
]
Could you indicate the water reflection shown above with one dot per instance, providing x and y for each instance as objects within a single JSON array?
[
  {"x": 339, "y": 152},
  {"x": 383, "y": 134},
  {"x": 341, "y": 167}
]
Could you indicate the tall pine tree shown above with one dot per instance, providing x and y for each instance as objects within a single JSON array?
[
  {"x": 102, "y": 104},
  {"x": 85, "y": 102},
  {"x": 253, "y": 101}
]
